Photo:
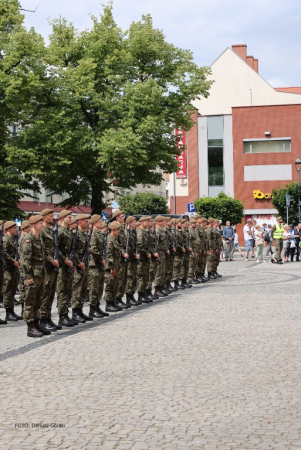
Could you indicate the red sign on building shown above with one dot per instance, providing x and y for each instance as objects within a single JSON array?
[{"x": 182, "y": 158}]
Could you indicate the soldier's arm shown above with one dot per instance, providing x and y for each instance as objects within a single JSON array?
[
  {"x": 27, "y": 255},
  {"x": 63, "y": 250},
  {"x": 48, "y": 246},
  {"x": 8, "y": 259}
]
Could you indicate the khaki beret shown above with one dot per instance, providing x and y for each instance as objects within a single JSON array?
[
  {"x": 211, "y": 220},
  {"x": 95, "y": 218},
  {"x": 178, "y": 221},
  {"x": 64, "y": 213},
  {"x": 74, "y": 220},
  {"x": 144, "y": 218},
  {"x": 173, "y": 221},
  {"x": 204, "y": 220},
  {"x": 45, "y": 212},
  {"x": 192, "y": 220},
  {"x": 117, "y": 213},
  {"x": 25, "y": 224},
  {"x": 82, "y": 217},
  {"x": 197, "y": 216},
  {"x": 159, "y": 218},
  {"x": 35, "y": 219},
  {"x": 9, "y": 224},
  {"x": 183, "y": 220},
  {"x": 130, "y": 219},
  {"x": 103, "y": 224},
  {"x": 114, "y": 225}
]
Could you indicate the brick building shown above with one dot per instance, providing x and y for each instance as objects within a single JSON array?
[{"x": 245, "y": 140}]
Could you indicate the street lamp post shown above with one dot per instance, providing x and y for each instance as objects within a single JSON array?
[{"x": 298, "y": 168}]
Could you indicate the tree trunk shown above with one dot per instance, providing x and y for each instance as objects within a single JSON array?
[{"x": 98, "y": 203}]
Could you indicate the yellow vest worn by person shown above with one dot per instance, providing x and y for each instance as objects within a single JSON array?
[{"x": 278, "y": 233}]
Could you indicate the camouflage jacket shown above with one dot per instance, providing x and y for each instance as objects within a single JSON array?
[
  {"x": 114, "y": 254},
  {"x": 33, "y": 257}
]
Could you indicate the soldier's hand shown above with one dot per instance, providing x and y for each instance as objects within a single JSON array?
[
  {"x": 125, "y": 255},
  {"x": 217, "y": 250},
  {"x": 82, "y": 266},
  {"x": 113, "y": 273},
  {"x": 55, "y": 263},
  {"x": 31, "y": 281},
  {"x": 103, "y": 262},
  {"x": 211, "y": 252},
  {"x": 149, "y": 256},
  {"x": 137, "y": 256},
  {"x": 68, "y": 263},
  {"x": 174, "y": 249},
  {"x": 190, "y": 249},
  {"x": 156, "y": 255},
  {"x": 200, "y": 252},
  {"x": 184, "y": 250},
  {"x": 16, "y": 264},
  {"x": 168, "y": 252},
  {"x": 192, "y": 255}
]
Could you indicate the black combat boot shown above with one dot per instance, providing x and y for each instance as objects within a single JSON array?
[
  {"x": 192, "y": 282},
  {"x": 76, "y": 316},
  {"x": 159, "y": 293},
  {"x": 3, "y": 322},
  {"x": 148, "y": 296},
  {"x": 141, "y": 298},
  {"x": 183, "y": 285},
  {"x": 16, "y": 315},
  {"x": 154, "y": 297},
  {"x": 204, "y": 278},
  {"x": 137, "y": 301},
  {"x": 64, "y": 321},
  {"x": 164, "y": 291},
  {"x": 58, "y": 327},
  {"x": 170, "y": 288},
  {"x": 188, "y": 285},
  {"x": 32, "y": 331},
  {"x": 1, "y": 300},
  {"x": 178, "y": 285},
  {"x": 87, "y": 298},
  {"x": 94, "y": 313},
  {"x": 130, "y": 300},
  {"x": 112, "y": 308},
  {"x": 84, "y": 316},
  {"x": 40, "y": 327},
  {"x": 119, "y": 303},
  {"x": 217, "y": 274},
  {"x": 100, "y": 311},
  {"x": 44, "y": 324},
  {"x": 211, "y": 276},
  {"x": 10, "y": 316}
]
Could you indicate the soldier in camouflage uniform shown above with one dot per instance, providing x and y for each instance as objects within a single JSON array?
[
  {"x": 160, "y": 278},
  {"x": 133, "y": 261},
  {"x": 11, "y": 271},
  {"x": 97, "y": 265},
  {"x": 80, "y": 276},
  {"x": 2, "y": 322},
  {"x": 34, "y": 273},
  {"x": 170, "y": 256},
  {"x": 112, "y": 267},
  {"x": 25, "y": 229},
  {"x": 212, "y": 249},
  {"x": 202, "y": 226},
  {"x": 51, "y": 272},
  {"x": 65, "y": 278},
  {"x": 178, "y": 257},
  {"x": 145, "y": 257},
  {"x": 196, "y": 248},
  {"x": 153, "y": 260},
  {"x": 123, "y": 266},
  {"x": 219, "y": 245},
  {"x": 186, "y": 255}
]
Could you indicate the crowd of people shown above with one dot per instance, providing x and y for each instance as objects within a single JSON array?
[{"x": 86, "y": 254}]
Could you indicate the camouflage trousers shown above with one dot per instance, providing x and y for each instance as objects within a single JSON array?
[
  {"x": 111, "y": 287},
  {"x": 22, "y": 286},
  {"x": 185, "y": 266},
  {"x": 169, "y": 267},
  {"x": 201, "y": 265},
  {"x": 211, "y": 261},
  {"x": 278, "y": 248},
  {"x": 96, "y": 283},
  {"x": 177, "y": 264},
  {"x": 10, "y": 283},
  {"x": 49, "y": 293},
  {"x": 33, "y": 299},
  {"x": 64, "y": 289},
  {"x": 79, "y": 289},
  {"x": 142, "y": 276},
  {"x": 123, "y": 269},
  {"x": 160, "y": 278},
  {"x": 193, "y": 264},
  {"x": 1, "y": 281},
  {"x": 131, "y": 281},
  {"x": 151, "y": 273},
  {"x": 217, "y": 260}
]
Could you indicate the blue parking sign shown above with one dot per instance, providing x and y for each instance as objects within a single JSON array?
[{"x": 191, "y": 207}]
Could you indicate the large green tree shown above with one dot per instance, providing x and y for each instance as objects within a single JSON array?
[
  {"x": 143, "y": 203},
  {"x": 20, "y": 52},
  {"x": 221, "y": 207},
  {"x": 279, "y": 202},
  {"x": 105, "y": 109}
]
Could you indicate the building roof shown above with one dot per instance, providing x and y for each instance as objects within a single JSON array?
[{"x": 294, "y": 90}]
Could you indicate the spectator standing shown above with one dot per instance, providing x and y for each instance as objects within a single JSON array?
[
  {"x": 248, "y": 237},
  {"x": 252, "y": 244},
  {"x": 259, "y": 240},
  {"x": 292, "y": 242},
  {"x": 236, "y": 243},
  {"x": 297, "y": 234},
  {"x": 277, "y": 235},
  {"x": 268, "y": 239},
  {"x": 286, "y": 243},
  {"x": 229, "y": 236}
]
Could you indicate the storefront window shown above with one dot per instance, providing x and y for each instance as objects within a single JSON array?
[
  {"x": 266, "y": 146},
  {"x": 215, "y": 151}
]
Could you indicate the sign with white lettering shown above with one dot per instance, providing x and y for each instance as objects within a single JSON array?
[{"x": 182, "y": 158}]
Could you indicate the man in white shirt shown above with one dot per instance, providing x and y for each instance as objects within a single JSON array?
[{"x": 248, "y": 237}]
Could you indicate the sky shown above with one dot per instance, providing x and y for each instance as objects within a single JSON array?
[{"x": 270, "y": 28}]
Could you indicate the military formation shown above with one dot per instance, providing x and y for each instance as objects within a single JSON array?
[{"x": 86, "y": 257}]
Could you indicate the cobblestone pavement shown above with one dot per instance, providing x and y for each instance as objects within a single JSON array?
[{"x": 215, "y": 367}]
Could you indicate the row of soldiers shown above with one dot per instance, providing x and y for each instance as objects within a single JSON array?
[{"x": 84, "y": 254}]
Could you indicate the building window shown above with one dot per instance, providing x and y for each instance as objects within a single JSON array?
[
  {"x": 215, "y": 151},
  {"x": 267, "y": 146}
]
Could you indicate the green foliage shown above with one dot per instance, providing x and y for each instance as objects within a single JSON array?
[
  {"x": 279, "y": 202},
  {"x": 104, "y": 109},
  {"x": 19, "y": 52},
  {"x": 143, "y": 203},
  {"x": 222, "y": 207}
]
